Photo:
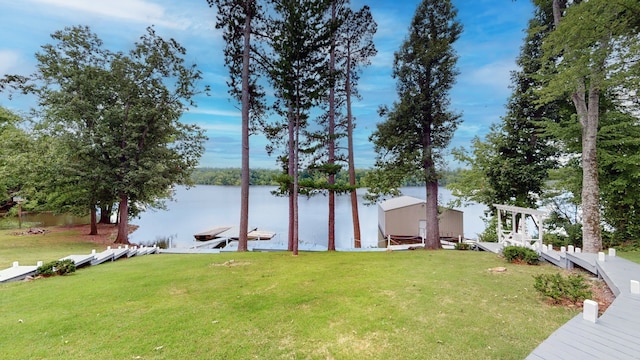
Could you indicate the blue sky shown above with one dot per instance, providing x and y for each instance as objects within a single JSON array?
[{"x": 492, "y": 37}]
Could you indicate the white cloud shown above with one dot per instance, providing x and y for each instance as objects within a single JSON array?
[
  {"x": 215, "y": 112},
  {"x": 496, "y": 75},
  {"x": 9, "y": 61},
  {"x": 140, "y": 11},
  {"x": 468, "y": 130},
  {"x": 221, "y": 128}
]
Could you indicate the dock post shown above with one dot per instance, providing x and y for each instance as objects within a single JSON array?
[
  {"x": 16, "y": 264},
  {"x": 635, "y": 287},
  {"x": 563, "y": 249},
  {"x": 39, "y": 263},
  {"x": 578, "y": 250},
  {"x": 601, "y": 256},
  {"x": 612, "y": 252},
  {"x": 570, "y": 249},
  {"x": 590, "y": 310}
]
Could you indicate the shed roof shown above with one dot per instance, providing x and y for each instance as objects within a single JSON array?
[{"x": 400, "y": 202}]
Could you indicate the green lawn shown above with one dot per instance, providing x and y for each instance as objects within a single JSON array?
[
  {"x": 29, "y": 249},
  {"x": 397, "y": 305},
  {"x": 630, "y": 255}
]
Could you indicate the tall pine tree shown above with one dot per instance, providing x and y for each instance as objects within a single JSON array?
[
  {"x": 299, "y": 75},
  {"x": 239, "y": 19},
  {"x": 419, "y": 126}
]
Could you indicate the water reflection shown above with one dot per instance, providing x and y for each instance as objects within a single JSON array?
[
  {"x": 51, "y": 219},
  {"x": 203, "y": 207}
]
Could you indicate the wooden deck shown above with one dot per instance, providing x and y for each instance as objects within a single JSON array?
[
  {"x": 211, "y": 244},
  {"x": 211, "y": 233},
  {"x": 79, "y": 260},
  {"x": 614, "y": 335},
  {"x": 493, "y": 247},
  {"x": 18, "y": 272}
]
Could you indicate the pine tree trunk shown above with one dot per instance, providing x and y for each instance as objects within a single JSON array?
[
  {"x": 296, "y": 185},
  {"x": 432, "y": 240},
  {"x": 291, "y": 187},
  {"x": 351, "y": 160},
  {"x": 244, "y": 182},
  {"x": 331, "y": 242}
]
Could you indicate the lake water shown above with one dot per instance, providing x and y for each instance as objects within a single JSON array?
[{"x": 204, "y": 207}]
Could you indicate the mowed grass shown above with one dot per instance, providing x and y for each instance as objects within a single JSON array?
[
  {"x": 395, "y": 305},
  {"x": 630, "y": 255},
  {"x": 53, "y": 245}
]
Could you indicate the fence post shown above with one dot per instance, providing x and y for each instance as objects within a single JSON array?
[{"x": 590, "y": 310}]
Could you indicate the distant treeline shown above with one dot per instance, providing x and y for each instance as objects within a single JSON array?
[{"x": 231, "y": 177}]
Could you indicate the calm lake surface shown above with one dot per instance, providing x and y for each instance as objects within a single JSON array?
[{"x": 204, "y": 207}]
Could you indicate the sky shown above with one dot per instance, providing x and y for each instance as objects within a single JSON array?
[{"x": 493, "y": 34}]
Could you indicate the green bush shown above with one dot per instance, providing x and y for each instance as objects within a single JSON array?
[
  {"x": 58, "y": 267},
  {"x": 558, "y": 288},
  {"x": 462, "y": 246},
  {"x": 519, "y": 254},
  {"x": 490, "y": 233}
]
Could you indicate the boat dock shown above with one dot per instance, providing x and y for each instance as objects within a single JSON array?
[
  {"x": 211, "y": 233},
  {"x": 233, "y": 233}
]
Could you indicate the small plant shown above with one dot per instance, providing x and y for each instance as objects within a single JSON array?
[
  {"x": 58, "y": 267},
  {"x": 558, "y": 288},
  {"x": 519, "y": 254},
  {"x": 462, "y": 246},
  {"x": 163, "y": 242}
]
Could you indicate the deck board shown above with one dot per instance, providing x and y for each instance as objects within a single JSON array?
[
  {"x": 555, "y": 258},
  {"x": 584, "y": 260},
  {"x": 79, "y": 260},
  {"x": 16, "y": 273},
  {"x": 489, "y": 246},
  {"x": 101, "y": 257},
  {"x": 615, "y": 334}
]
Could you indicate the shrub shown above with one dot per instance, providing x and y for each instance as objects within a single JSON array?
[
  {"x": 490, "y": 233},
  {"x": 558, "y": 288},
  {"x": 162, "y": 242},
  {"x": 519, "y": 254},
  {"x": 462, "y": 246},
  {"x": 58, "y": 267}
]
